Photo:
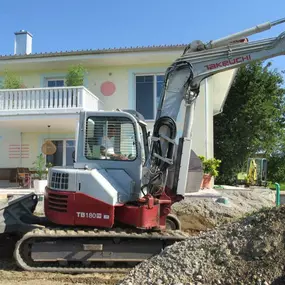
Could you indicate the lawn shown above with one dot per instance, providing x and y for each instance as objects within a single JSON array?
[{"x": 271, "y": 185}]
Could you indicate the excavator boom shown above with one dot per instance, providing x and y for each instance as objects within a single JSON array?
[
  {"x": 248, "y": 32},
  {"x": 182, "y": 83},
  {"x": 209, "y": 62}
]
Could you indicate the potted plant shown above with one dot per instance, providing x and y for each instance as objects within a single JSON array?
[
  {"x": 75, "y": 75},
  {"x": 40, "y": 181},
  {"x": 12, "y": 81},
  {"x": 210, "y": 169}
]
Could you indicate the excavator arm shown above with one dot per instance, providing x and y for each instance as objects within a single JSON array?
[
  {"x": 210, "y": 62},
  {"x": 182, "y": 83}
]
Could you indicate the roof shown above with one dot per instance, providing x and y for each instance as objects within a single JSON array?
[{"x": 95, "y": 51}]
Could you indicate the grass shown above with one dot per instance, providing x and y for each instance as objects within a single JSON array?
[{"x": 271, "y": 185}]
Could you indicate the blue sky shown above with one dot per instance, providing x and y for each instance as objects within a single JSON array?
[{"x": 67, "y": 25}]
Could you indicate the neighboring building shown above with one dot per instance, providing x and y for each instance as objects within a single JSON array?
[{"x": 116, "y": 78}]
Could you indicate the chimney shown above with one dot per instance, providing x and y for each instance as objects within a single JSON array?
[{"x": 23, "y": 43}]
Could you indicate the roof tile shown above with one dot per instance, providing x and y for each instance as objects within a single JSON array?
[{"x": 94, "y": 51}]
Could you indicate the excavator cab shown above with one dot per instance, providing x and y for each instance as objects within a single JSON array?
[
  {"x": 110, "y": 138},
  {"x": 119, "y": 135},
  {"x": 256, "y": 173},
  {"x": 260, "y": 172},
  {"x": 111, "y": 151}
]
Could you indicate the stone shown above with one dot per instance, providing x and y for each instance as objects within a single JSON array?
[{"x": 242, "y": 251}]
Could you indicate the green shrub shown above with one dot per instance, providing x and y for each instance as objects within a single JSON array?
[
  {"x": 40, "y": 167},
  {"x": 12, "y": 81},
  {"x": 210, "y": 166},
  {"x": 75, "y": 75}
]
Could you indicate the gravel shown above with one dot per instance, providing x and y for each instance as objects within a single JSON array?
[
  {"x": 248, "y": 251},
  {"x": 198, "y": 214},
  {"x": 222, "y": 250}
]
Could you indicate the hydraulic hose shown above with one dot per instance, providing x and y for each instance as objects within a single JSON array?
[{"x": 170, "y": 124}]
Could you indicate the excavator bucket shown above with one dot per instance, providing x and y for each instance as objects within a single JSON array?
[{"x": 16, "y": 216}]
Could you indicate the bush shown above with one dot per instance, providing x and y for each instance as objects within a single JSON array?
[
  {"x": 75, "y": 75},
  {"x": 40, "y": 167},
  {"x": 276, "y": 168},
  {"x": 210, "y": 166},
  {"x": 12, "y": 81}
]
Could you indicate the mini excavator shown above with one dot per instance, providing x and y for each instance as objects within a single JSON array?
[{"x": 112, "y": 209}]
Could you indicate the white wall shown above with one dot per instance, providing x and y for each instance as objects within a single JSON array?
[
  {"x": 124, "y": 97},
  {"x": 10, "y": 142}
]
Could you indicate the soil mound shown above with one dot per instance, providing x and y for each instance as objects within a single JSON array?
[{"x": 248, "y": 251}]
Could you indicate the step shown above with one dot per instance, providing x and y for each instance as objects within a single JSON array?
[
  {"x": 4, "y": 183},
  {"x": 7, "y": 184}
]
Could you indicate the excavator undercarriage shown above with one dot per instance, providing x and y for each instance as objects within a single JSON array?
[
  {"x": 83, "y": 250},
  {"x": 43, "y": 246}
]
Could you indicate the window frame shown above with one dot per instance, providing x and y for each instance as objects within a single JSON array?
[
  {"x": 63, "y": 147},
  {"x": 54, "y": 78},
  {"x": 155, "y": 75},
  {"x": 106, "y": 117}
]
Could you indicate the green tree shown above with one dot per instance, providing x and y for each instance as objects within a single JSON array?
[
  {"x": 276, "y": 167},
  {"x": 75, "y": 75},
  {"x": 12, "y": 81},
  {"x": 252, "y": 120}
]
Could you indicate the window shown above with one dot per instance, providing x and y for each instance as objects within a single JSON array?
[
  {"x": 54, "y": 82},
  {"x": 110, "y": 138},
  {"x": 54, "y": 98},
  {"x": 148, "y": 92},
  {"x": 63, "y": 154}
]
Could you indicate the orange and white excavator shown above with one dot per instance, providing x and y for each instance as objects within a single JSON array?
[{"x": 112, "y": 209}]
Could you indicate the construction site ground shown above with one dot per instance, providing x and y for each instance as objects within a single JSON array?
[{"x": 200, "y": 212}]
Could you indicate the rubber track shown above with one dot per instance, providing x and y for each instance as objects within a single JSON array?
[{"x": 172, "y": 236}]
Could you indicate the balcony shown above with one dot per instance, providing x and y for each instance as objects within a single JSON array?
[{"x": 60, "y": 100}]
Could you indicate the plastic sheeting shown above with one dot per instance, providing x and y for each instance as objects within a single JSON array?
[{"x": 174, "y": 93}]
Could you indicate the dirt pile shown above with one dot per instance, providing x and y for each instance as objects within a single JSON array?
[
  {"x": 198, "y": 214},
  {"x": 249, "y": 251}
]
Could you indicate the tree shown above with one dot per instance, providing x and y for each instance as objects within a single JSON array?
[
  {"x": 75, "y": 75},
  {"x": 252, "y": 120},
  {"x": 276, "y": 167},
  {"x": 12, "y": 81}
]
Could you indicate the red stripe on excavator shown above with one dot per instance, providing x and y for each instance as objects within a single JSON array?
[
  {"x": 140, "y": 216},
  {"x": 73, "y": 208},
  {"x": 79, "y": 209}
]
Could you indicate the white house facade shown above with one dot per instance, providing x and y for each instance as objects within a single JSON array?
[{"x": 126, "y": 78}]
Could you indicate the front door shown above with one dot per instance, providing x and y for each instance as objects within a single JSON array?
[{"x": 63, "y": 154}]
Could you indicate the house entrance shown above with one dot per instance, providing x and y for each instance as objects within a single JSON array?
[{"x": 63, "y": 154}]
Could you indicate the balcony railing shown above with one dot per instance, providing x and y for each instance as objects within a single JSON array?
[{"x": 49, "y": 100}]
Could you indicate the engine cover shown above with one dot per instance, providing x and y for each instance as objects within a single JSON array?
[
  {"x": 86, "y": 197},
  {"x": 74, "y": 208}
]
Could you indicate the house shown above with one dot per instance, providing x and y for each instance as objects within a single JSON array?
[{"x": 116, "y": 78}]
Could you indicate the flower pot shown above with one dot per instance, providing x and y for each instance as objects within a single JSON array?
[
  {"x": 39, "y": 186},
  {"x": 206, "y": 181}
]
